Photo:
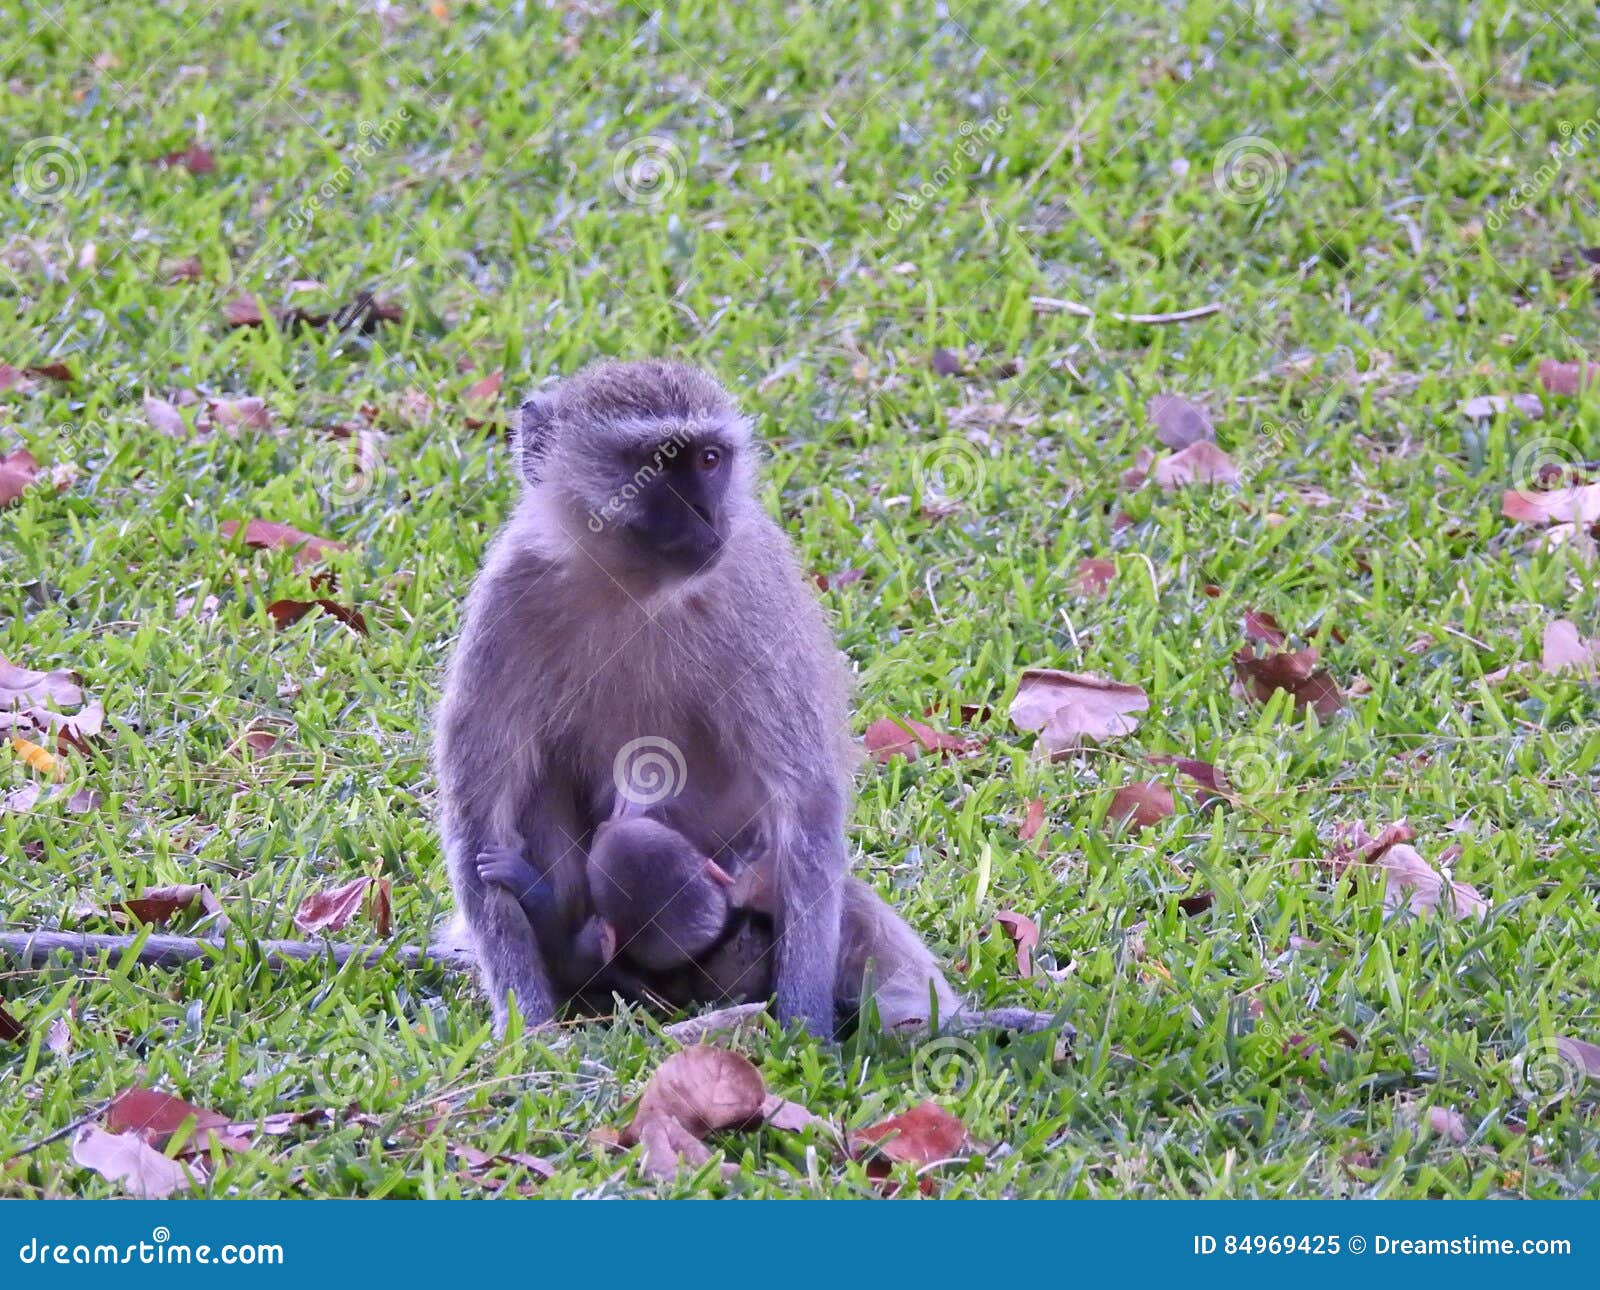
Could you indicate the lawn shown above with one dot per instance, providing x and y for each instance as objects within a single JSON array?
[{"x": 883, "y": 226}]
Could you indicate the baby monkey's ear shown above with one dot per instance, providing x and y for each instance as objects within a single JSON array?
[{"x": 535, "y": 421}]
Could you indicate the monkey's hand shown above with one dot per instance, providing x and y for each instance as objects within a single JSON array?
[{"x": 508, "y": 868}]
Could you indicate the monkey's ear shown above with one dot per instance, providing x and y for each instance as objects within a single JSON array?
[{"x": 535, "y": 421}]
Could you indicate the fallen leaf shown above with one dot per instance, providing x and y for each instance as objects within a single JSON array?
[
  {"x": 156, "y": 1116},
  {"x": 1197, "y": 903},
  {"x": 268, "y": 535},
  {"x": 1263, "y": 627},
  {"x": 1449, "y": 1124},
  {"x": 127, "y": 1159},
  {"x": 1200, "y": 463},
  {"x": 1033, "y": 821},
  {"x": 17, "y": 471},
  {"x": 34, "y": 703},
  {"x": 1024, "y": 934},
  {"x": 189, "y": 269},
  {"x": 924, "y": 1135},
  {"x": 197, "y": 159},
  {"x": 833, "y": 581},
  {"x": 1567, "y": 378},
  {"x": 330, "y": 910},
  {"x": 286, "y": 613},
  {"x": 1143, "y": 804},
  {"x": 12, "y": 1031},
  {"x": 1487, "y": 406},
  {"x": 697, "y": 1091},
  {"x": 1092, "y": 577},
  {"x": 157, "y": 906},
  {"x": 1565, "y": 504},
  {"x": 164, "y": 418},
  {"x": 946, "y": 363},
  {"x": 363, "y": 313},
  {"x": 791, "y": 1117},
  {"x": 1179, "y": 422},
  {"x": 730, "y": 1020},
  {"x": 1070, "y": 708},
  {"x": 1135, "y": 475},
  {"x": 1564, "y": 649},
  {"x": 890, "y": 737},
  {"x": 248, "y": 413},
  {"x": 480, "y": 398},
  {"x": 1294, "y": 671},
  {"x": 1413, "y": 884}
]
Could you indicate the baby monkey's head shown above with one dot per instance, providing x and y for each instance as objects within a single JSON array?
[
  {"x": 645, "y": 464},
  {"x": 665, "y": 901}
]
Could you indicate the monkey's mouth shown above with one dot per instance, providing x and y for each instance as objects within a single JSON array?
[{"x": 686, "y": 550}]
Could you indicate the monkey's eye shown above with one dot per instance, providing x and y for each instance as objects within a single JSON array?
[{"x": 710, "y": 458}]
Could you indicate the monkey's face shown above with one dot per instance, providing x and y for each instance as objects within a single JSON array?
[{"x": 669, "y": 501}]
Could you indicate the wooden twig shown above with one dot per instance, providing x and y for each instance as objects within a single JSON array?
[{"x": 36, "y": 949}]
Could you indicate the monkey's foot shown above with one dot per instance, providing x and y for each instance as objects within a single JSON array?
[{"x": 1021, "y": 1021}]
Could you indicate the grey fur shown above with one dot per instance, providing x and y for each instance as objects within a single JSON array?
[{"x": 576, "y": 644}]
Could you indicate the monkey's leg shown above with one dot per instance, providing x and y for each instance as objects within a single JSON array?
[
  {"x": 510, "y": 869},
  {"x": 880, "y": 956}
]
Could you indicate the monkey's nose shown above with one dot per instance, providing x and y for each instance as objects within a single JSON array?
[{"x": 703, "y": 512}]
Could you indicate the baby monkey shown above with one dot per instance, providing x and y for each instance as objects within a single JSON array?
[{"x": 662, "y": 908}]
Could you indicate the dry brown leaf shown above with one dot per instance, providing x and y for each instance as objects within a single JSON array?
[
  {"x": 164, "y": 418},
  {"x": 1566, "y": 503},
  {"x": 1179, "y": 422},
  {"x": 1567, "y": 378},
  {"x": 12, "y": 1031},
  {"x": 157, "y": 906},
  {"x": 1033, "y": 821},
  {"x": 126, "y": 1158},
  {"x": 890, "y": 737},
  {"x": 1412, "y": 883},
  {"x": 1294, "y": 671},
  {"x": 268, "y": 535},
  {"x": 1071, "y": 708},
  {"x": 1092, "y": 577},
  {"x": 1024, "y": 934},
  {"x": 33, "y": 703},
  {"x": 197, "y": 159},
  {"x": 791, "y": 1117},
  {"x": 1565, "y": 650},
  {"x": 247, "y": 413},
  {"x": 924, "y": 1135},
  {"x": 330, "y": 910},
  {"x": 285, "y": 613},
  {"x": 156, "y": 1116},
  {"x": 697, "y": 1091},
  {"x": 1263, "y": 627},
  {"x": 17, "y": 471},
  {"x": 1143, "y": 804},
  {"x": 1487, "y": 406},
  {"x": 1200, "y": 463}
]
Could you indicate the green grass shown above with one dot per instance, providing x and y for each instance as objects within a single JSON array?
[{"x": 1385, "y": 280}]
